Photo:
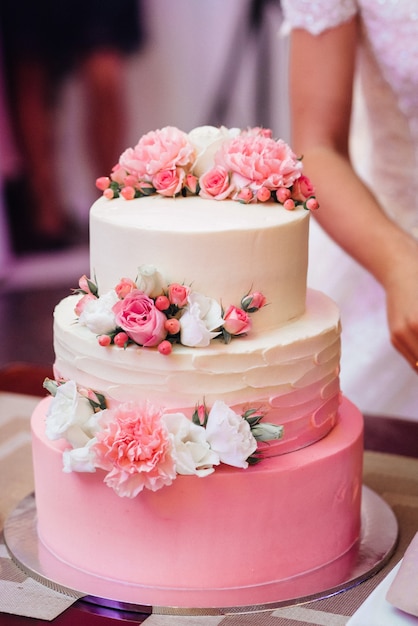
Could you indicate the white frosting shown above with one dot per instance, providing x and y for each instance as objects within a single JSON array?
[
  {"x": 223, "y": 249},
  {"x": 292, "y": 372}
]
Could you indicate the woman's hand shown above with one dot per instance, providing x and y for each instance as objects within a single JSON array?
[{"x": 401, "y": 286}]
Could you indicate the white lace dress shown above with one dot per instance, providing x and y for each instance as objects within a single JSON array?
[{"x": 385, "y": 152}]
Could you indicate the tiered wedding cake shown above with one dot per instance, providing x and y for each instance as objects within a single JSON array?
[{"x": 197, "y": 448}]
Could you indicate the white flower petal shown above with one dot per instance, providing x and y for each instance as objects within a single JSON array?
[
  {"x": 191, "y": 451},
  {"x": 98, "y": 315}
]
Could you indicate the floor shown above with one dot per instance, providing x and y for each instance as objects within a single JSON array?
[{"x": 29, "y": 290}]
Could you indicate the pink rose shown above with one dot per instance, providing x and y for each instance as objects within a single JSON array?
[
  {"x": 191, "y": 183},
  {"x": 119, "y": 174},
  {"x": 168, "y": 182},
  {"x": 257, "y": 160},
  {"x": 302, "y": 189},
  {"x": 124, "y": 286},
  {"x": 87, "y": 286},
  {"x": 134, "y": 446},
  {"x": 158, "y": 150},
  {"x": 253, "y": 302},
  {"x": 138, "y": 316},
  {"x": 236, "y": 321},
  {"x": 178, "y": 294},
  {"x": 79, "y": 307},
  {"x": 245, "y": 196},
  {"x": 215, "y": 184}
]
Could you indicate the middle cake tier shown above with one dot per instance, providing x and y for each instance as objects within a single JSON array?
[
  {"x": 290, "y": 373},
  {"x": 222, "y": 250}
]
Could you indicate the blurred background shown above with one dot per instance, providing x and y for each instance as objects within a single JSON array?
[{"x": 80, "y": 84}]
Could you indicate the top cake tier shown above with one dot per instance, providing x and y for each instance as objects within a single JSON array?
[{"x": 223, "y": 249}]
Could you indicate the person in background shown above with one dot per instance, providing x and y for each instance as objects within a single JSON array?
[
  {"x": 354, "y": 116},
  {"x": 43, "y": 42}
]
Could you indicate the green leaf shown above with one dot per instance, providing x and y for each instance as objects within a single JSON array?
[{"x": 51, "y": 386}]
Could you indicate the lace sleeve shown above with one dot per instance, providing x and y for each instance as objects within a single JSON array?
[{"x": 317, "y": 15}]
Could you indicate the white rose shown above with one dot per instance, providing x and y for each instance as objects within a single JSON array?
[
  {"x": 67, "y": 414},
  {"x": 150, "y": 281},
  {"x": 229, "y": 435},
  {"x": 80, "y": 459},
  {"x": 191, "y": 451},
  {"x": 97, "y": 314},
  {"x": 206, "y": 140},
  {"x": 200, "y": 318}
]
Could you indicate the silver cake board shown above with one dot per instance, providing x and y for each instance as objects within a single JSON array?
[{"x": 379, "y": 534}]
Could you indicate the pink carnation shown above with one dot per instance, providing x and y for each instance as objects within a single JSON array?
[
  {"x": 134, "y": 447},
  {"x": 215, "y": 184},
  {"x": 158, "y": 150},
  {"x": 258, "y": 130},
  {"x": 236, "y": 321},
  {"x": 257, "y": 160},
  {"x": 138, "y": 316}
]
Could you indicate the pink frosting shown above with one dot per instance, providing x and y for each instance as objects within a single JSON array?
[{"x": 222, "y": 540}]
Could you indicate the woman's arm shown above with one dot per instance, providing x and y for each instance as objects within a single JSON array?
[{"x": 322, "y": 71}]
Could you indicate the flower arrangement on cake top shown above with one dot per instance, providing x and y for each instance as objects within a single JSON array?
[
  {"x": 214, "y": 163},
  {"x": 149, "y": 313},
  {"x": 141, "y": 446}
]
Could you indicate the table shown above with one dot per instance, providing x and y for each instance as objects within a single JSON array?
[{"x": 393, "y": 476}]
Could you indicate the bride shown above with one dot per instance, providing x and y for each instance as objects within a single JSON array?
[{"x": 354, "y": 105}]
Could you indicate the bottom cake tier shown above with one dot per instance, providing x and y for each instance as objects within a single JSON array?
[{"x": 286, "y": 516}]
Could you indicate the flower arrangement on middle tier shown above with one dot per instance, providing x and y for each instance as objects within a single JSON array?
[
  {"x": 142, "y": 446},
  {"x": 149, "y": 313}
]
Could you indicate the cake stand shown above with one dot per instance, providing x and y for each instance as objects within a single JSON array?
[{"x": 379, "y": 534}]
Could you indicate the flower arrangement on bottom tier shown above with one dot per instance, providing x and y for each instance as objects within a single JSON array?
[{"x": 142, "y": 446}]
